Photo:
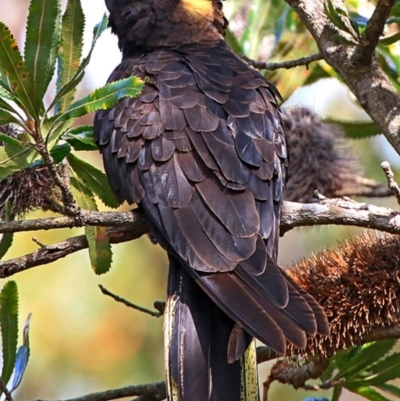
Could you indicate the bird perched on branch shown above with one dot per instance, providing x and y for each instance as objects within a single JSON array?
[{"x": 202, "y": 152}]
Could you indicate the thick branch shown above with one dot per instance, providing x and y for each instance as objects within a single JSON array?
[
  {"x": 131, "y": 225},
  {"x": 368, "y": 82},
  {"x": 342, "y": 212},
  {"x": 374, "y": 30},
  {"x": 88, "y": 218}
]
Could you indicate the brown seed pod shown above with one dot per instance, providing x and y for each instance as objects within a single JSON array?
[
  {"x": 358, "y": 285},
  {"x": 25, "y": 190},
  {"x": 320, "y": 158}
]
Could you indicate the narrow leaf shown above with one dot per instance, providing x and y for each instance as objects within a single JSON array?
[
  {"x": 99, "y": 245},
  {"x": 384, "y": 370},
  {"x": 390, "y": 389},
  {"x": 94, "y": 179},
  {"x": 15, "y": 158},
  {"x": 357, "y": 129},
  {"x": 365, "y": 356},
  {"x": 103, "y": 98},
  {"x": 80, "y": 73},
  {"x": 70, "y": 52},
  {"x": 5, "y": 243},
  {"x": 6, "y": 117},
  {"x": 81, "y": 138},
  {"x": 9, "y": 327},
  {"x": 369, "y": 393},
  {"x": 13, "y": 65},
  {"x": 22, "y": 357},
  {"x": 9, "y": 139},
  {"x": 41, "y": 44}
]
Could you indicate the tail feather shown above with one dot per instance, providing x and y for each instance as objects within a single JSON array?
[{"x": 197, "y": 334}]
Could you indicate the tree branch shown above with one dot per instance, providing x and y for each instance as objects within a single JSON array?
[
  {"x": 368, "y": 82},
  {"x": 126, "y": 226},
  {"x": 303, "y": 61},
  {"x": 374, "y": 30},
  {"x": 88, "y": 218}
]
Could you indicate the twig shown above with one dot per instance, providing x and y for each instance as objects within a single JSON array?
[
  {"x": 51, "y": 253},
  {"x": 390, "y": 179},
  {"x": 154, "y": 391},
  {"x": 303, "y": 61},
  {"x": 4, "y": 389},
  {"x": 374, "y": 30},
  {"x": 128, "y": 303}
]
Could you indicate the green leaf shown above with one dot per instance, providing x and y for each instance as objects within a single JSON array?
[
  {"x": 6, "y": 117},
  {"x": 15, "y": 158},
  {"x": 70, "y": 54},
  {"x": 94, "y": 179},
  {"x": 365, "y": 356},
  {"x": 13, "y": 65},
  {"x": 233, "y": 42},
  {"x": 59, "y": 152},
  {"x": 41, "y": 44},
  {"x": 9, "y": 139},
  {"x": 389, "y": 39},
  {"x": 383, "y": 371},
  {"x": 357, "y": 129},
  {"x": 390, "y": 389},
  {"x": 368, "y": 393},
  {"x": 99, "y": 245},
  {"x": 5, "y": 243},
  {"x": 103, "y": 98},
  {"x": 9, "y": 327},
  {"x": 81, "y": 138},
  {"x": 80, "y": 73},
  {"x": 22, "y": 357}
]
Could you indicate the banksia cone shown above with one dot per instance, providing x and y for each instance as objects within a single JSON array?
[
  {"x": 358, "y": 285},
  {"x": 320, "y": 159},
  {"x": 25, "y": 190}
]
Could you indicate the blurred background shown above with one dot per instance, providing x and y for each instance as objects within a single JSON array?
[{"x": 83, "y": 341}]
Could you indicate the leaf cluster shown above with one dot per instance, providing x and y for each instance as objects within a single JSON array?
[{"x": 48, "y": 132}]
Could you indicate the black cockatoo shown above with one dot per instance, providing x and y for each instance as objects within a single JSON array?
[{"x": 202, "y": 152}]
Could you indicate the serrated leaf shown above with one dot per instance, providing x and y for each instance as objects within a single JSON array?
[
  {"x": 80, "y": 73},
  {"x": 13, "y": 65},
  {"x": 53, "y": 131},
  {"x": 95, "y": 179},
  {"x": 365, "y": 356},
  {"x": 9, "y": 327},
  {"x": 41, "y": 44},
  {"x": 368, "y": 393},
  {"x": 383, "y": 371},
  {"x": 70, "y": 54},
  {"x": 99, "y": 245},
  {"x": 22, "y": 357},
  {"x": 81, "y": 138},
  {"x": 357, "y": 129},
  {"x": 59, "y": 152},
  {"x": 103, "y": 98},
  {"x": 390, "y": 389}
]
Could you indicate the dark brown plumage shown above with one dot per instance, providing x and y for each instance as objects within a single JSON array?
[{"x": 203, "y": 153}]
